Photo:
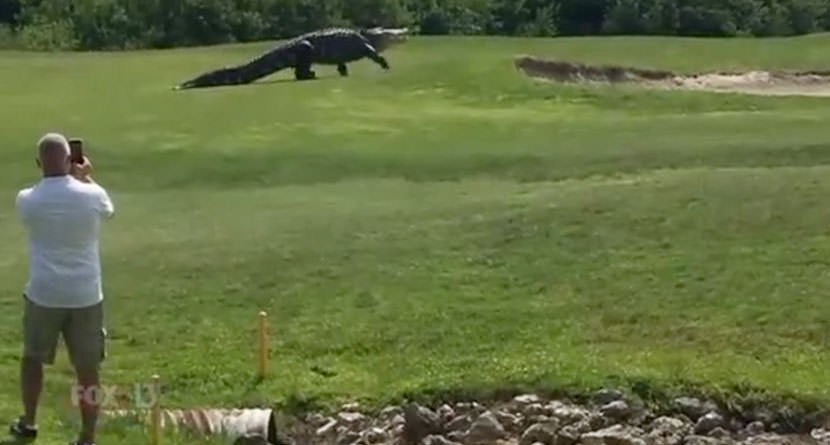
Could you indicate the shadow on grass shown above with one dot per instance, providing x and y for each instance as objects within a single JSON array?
[{"x": 259, "y": 83}]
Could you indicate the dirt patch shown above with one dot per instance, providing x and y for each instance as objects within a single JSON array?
[{"x": 800, "y": 83}]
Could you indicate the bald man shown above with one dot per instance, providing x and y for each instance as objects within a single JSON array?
[{"x": 63, "y": 297}]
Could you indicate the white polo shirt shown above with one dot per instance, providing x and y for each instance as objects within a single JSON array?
[{"x": 62, "y": 217}]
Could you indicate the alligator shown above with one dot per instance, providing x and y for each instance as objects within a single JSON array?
[{"x": 330, "y": 46}]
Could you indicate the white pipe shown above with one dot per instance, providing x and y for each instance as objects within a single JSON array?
[{"x": 231, "y": 423}]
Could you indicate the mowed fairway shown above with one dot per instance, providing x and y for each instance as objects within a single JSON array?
[{"x": 448, "y": 224}]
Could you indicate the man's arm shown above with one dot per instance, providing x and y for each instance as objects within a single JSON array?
[
  {"x": 83, "y": 173},
  {"x": 106, "y": 208},
  {"x": 19, "y": 201}
]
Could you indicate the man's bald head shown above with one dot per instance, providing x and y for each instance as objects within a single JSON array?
[{"x": 53, "y": 154}]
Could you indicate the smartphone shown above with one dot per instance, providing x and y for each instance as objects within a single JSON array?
[{"x": 76, "y": 150}]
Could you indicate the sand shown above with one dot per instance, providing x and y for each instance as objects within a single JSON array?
[{"x": 807, "y": 83}]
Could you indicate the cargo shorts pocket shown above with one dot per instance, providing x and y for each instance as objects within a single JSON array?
[{"x": 86, "y": 337}]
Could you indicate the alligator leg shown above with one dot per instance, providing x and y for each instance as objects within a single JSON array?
[
  {"x": 372, "y": 54},
  {"x": 302, "y": 69},
  {"x": 343, "y": 69}
]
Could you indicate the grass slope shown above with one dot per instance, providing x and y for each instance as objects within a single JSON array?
[{"x": 449, "y": 224}]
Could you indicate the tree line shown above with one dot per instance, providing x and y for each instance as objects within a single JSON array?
[{"x": 131, "y": 24}]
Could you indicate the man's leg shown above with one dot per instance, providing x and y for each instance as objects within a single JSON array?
[
  {"x": 41, "y": 328},
  {"x": 88, "y": 378},
  {"x": 86, "y": 342},
  {"x": 31, "y": 382}
]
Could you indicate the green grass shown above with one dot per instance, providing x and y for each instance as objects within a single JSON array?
[{"x": 448, "y": 224}]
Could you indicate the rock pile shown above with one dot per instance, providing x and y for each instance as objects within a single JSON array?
[{"x": 529, "y": 419}]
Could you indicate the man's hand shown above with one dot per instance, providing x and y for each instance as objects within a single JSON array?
[{"x": 82, "y": 172}]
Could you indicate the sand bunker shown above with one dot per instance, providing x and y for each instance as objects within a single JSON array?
[{"x": 807, "y": 83}]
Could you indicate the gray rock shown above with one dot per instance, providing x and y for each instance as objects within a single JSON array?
[
  {"x": 638, "y": 416},
  {"x": 420, "y": 422},
  {"x": 708, "y": 422},
  {"x": 374, "y": 435},
  {"x": 527, "y": 399},
  {"x": 667, "y": 431},
  {"x": 693, "y": 408},
  {"x": 435, "y": 439},
  {"x": 702, "y": 440},
  {"x": 397, "y": 420},
  {"x": 719, "y": 433},
  {"x": 614, "y": 435},
  {"x": 684, "y": 418},
  {"x": 735, "y": 425},
  {"x": 583, "y": 427},
  {"x": 460, "y": 423},
  {"x": 567, "y": 435},
  {"x": 597, "y": 421},
  {"x": 553, "y": 405},
  {"x": 668, "y": 424},
  {"x": 606, "y": 396},
  {"x": 534, "y": 409},
  {"x": 391, "y": 411},
  {"x": 317, "y": 420},
  {"x": 544, "y": 433},
  {"x": 617, "y": 410},
  {"x": 348, "y": 438},
  {"x": 762, "y": 415},
  {"x": 396, "y": 431},
  {"x": 446, "y": 413},
  {"x": 532, "y": 420},
  {"x": 352, "y": 420},
  {"x": 457, "y": 436},
  {"x": 485, "y": 430},
  {"x": 821, "y": 435},
  {"x": 658, "y": 438},
  {"x": 510, "y": 422},
  {"x": 570, "y": 414},
  {"x": 773, "y": 439},
  {"x": 755, "y": 428},
  {"x": 327, "y": 429},
  {"x": 463, "y": 407}
]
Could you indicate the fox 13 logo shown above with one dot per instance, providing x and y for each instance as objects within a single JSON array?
[{"x": 139, "y": 396}]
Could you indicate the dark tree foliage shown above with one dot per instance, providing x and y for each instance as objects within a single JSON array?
[
  {"x": 9, "y": 10},
  {"x": 124, "y": 24}
]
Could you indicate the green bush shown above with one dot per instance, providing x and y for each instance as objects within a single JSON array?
[
  {"x": 805, "y": 16},
  {"x": 9, "y": 9},
  {"x": 124, "y": 24},
  {"x": 48, "y": 35},
  {"x": 542, "y": 24},
  {"x": 626, "y": 17},
  {"x": 8, "y": 38}
]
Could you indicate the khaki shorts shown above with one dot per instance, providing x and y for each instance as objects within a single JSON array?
[{"x": 82, "y": 329}]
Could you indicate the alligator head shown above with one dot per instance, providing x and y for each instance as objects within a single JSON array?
[{"x": 383, "y": 38}]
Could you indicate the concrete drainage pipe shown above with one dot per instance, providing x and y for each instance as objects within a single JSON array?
[{"x": 244, "y": 426}]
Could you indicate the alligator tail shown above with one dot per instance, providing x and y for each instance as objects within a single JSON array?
[{"x": 264, "y": 65}]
